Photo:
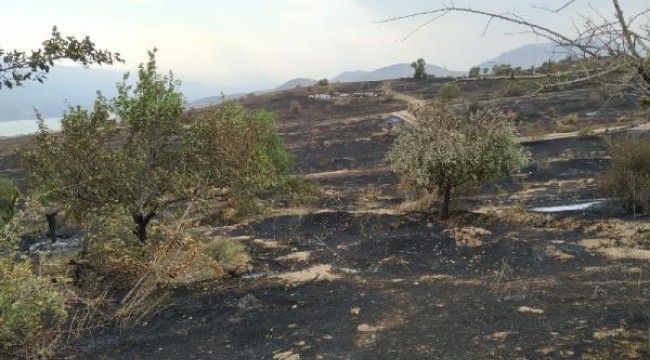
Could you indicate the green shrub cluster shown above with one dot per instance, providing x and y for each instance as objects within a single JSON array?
[{"x": 32, "y": 310}]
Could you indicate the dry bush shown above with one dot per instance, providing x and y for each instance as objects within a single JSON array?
[
  {"x": 295, "y": 107},
  {"x": 173, "y": 258},
  {"x": 371, "y": 192},
  {"x": 342, "y": 101},
  {"x": 628, "y": 180},
  {"x": 230, "y": 254},
  {"x": 586, "y": 132},
  {"x": 33, "y": 311},
  {"x": 297, "y": 191},
  {"x": 115, "y": 260},
  {"x": 535, "y": 129},
  {"x": 568, "y": 123}
]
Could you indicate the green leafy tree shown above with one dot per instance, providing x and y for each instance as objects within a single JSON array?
[
  {"x": 323, "y": 82},
  {"x": 17, "y": 67},
  {"x": 485, "y": 71},
  {"x": 96, "y": 168},
  {"x": 448, "y": 92},
  {"x": 419, "y": 69},
  {"x": 475, "y": 72},
  {"x": 448, "y": 149}
]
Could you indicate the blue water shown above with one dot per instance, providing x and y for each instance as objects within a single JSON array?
[{"x": 24, "y": 127}]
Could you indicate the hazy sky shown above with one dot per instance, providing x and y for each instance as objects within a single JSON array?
[{"x": 265, "y": 42}]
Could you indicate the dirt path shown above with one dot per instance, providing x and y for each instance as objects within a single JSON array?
[{"x": 408, "y": 117}]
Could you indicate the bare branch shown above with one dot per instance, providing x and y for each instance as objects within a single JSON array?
[
  {"x": 626, "y": 31},
  {"x": 537, "y": 29},
  {"x": 566, "y": 5}
]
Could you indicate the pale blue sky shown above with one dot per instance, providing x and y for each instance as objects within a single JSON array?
[{"x": 255, "y": 42}]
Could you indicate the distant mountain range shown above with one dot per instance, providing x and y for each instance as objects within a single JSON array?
[
  {"x": 527, "y": 56},
  {"x": 395, "y": 71},
  {"x": 72, "y": 86}
]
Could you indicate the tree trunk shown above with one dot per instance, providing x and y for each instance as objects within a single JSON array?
[
  {"x": 141, "y": 222},
  {"x": 51, "y": 224},
  {"x": 444, "y": 214}
]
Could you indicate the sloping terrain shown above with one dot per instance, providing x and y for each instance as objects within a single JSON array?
[
  {"x": 363, "y": 274},
  {"x": 358, "y": 277}
]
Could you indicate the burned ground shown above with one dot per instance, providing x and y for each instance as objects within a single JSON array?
[{"x": 357, "y": 277}]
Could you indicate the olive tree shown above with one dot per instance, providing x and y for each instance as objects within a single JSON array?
[
  {"x": 17, "y": 66},
  {"x": 448, "y": 149},
  {"x": 150, "y": 159}
]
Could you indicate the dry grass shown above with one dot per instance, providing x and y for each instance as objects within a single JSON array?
[{"x": 568, "y": 123}]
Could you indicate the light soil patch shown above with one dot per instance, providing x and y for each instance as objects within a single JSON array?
[
  {"x": 618, "y": 253},
  {"x": 530, "y": 310},
  {"x": 500, "y": 336},
  {"x": 286, "y": 355},
  {"x": 556, "y": 254},
  {"x": 368, "y": 334},
  {"x": 468, "y": 236},
  {"x": 298, "y": 256},
  {"x": 343, "y": 173},
  {"x": 269, "y": 243},
  {"x": 317, "y": 272},
  {"x": 421, "y": 204},
  {"x": 609, "y": 249}
]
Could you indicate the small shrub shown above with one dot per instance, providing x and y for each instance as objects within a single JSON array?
[
  {"x": 32, "y": 310},
  {"x": 295, "y": 107},
  {"x": 568, "y": 123},
  {"x": 571, "y": 119},
  {"x": 230, "y": 254},
  {"x": 474, "y": 106},
  {"x": 298, "y": 191},
  {"x": 342, "y": 101},
  {"x": 516, "y": 89},
  {"x": 586, "y": 132},
  {"x": 535, "y": 129},
  {"x": 323, "y": 82},
  {"x": 8, "y": 198},
  {"x": 448, "y": 92},
  {"x": 628, "y": 180}
]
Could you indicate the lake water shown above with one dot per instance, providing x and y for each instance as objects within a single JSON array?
[{"x": 23, "y": 127}]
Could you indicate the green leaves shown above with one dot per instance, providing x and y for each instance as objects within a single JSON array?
[
  {"x": 96, "y": 167},
  {"x": 27, "y": 303},
  {"x": 419, "y": 69},
  {"x": 8, "y": 199},
  {"x": 17, "y": 67},
  {"x": 448, "y": 149}
]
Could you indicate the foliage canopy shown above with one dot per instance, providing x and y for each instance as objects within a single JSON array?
[
  {"x": 17, "y": 67},
  {"x": 448, "y": 149},
  {"x": 419, "y": 69},
  {"x": 151, "y": 159}
]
